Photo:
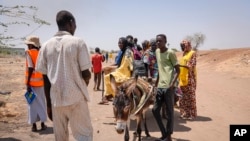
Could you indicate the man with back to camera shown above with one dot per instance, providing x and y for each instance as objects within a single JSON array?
[
  {"x": 64, "y": 62},
  {"x": 97, "y": 60}
]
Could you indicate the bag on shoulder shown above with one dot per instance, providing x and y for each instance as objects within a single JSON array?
[{"x": 139, "y": 68}]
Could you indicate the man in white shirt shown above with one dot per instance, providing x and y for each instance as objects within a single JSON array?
[{"x": 64, "y": 62}]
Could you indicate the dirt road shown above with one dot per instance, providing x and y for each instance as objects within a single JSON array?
[{"x": 222, "y": 99}]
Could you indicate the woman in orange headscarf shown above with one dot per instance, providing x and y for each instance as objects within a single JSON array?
[{"x": 187, "y": 81}]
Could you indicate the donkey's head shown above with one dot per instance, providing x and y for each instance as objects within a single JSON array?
[{"x": 121, "y": 103}]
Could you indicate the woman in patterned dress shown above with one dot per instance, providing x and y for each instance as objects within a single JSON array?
[{"x": 187, "y": 81}]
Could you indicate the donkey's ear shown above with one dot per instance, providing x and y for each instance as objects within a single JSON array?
[{"x": 113, "y": 83}]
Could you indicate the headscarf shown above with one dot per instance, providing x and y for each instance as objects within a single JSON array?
[{"x": 122, "y": 51}]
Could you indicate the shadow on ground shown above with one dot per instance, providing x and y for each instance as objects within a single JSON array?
[
  {"x": 49, "y": 130},
  {"x": 9, "y": 139}
]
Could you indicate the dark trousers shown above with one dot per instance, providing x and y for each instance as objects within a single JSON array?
[
  {"x": 97, "y": 80},
  {"x": 166, "y": 96}
]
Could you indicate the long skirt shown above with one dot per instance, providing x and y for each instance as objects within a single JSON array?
[
  {"x": 37, "y": 109},
  {"x": 188, "y": 101}
]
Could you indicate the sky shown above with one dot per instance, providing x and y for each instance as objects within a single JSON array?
[{"x": 100, "y": 23}]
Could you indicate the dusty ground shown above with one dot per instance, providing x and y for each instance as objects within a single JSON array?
[{"x": 222, "y": 99}]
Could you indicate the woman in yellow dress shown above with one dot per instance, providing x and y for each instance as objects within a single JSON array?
[
  {"x": 111, "y": 57},
  {"x": 123, "y": 68},
  {"x": 187, "y": 81}
]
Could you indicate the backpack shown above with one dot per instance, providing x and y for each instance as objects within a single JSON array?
[{"x": 139, "y": 68}]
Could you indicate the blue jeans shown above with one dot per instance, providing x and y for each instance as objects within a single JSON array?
[{"x": 166, "y": 96}]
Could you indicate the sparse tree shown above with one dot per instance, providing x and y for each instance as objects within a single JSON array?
[
  {"x": 19, "y": 15},
  {"x": 196, "y": 40}
]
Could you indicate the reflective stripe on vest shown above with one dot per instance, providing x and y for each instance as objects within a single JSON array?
[{"x": 36, "y": 77}]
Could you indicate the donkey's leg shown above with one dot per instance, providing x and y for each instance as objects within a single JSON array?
[
  {"x": 126, "y": 135},
  {"x": 138, "y": 127},
  {"x": 145, "y": 123}
]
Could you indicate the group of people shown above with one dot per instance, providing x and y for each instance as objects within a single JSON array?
[
  {"x": 162, "y": 65},
  {"x": 59, "y": 73}
]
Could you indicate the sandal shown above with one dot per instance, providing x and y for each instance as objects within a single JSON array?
[
  {"x": 109, "y": 98},
  {"x": 182, "y": 116},
  {"x": 190, "y": 118},
  {"x": 104, "y": 101}
]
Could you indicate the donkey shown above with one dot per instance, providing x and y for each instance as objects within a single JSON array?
[{"x": 133, "y": 98}]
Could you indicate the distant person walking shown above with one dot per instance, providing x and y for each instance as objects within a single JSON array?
[
  {"x": 97, "y": 60},
  {"x": 34, "y": 81},
  {"x": 65, "y": 62},
  {"x": 111, "y": 57},
  {"x": 188, "y": 80},
  {"x": 107, "y": 57},
  {"x": 167, "y": 66}
]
